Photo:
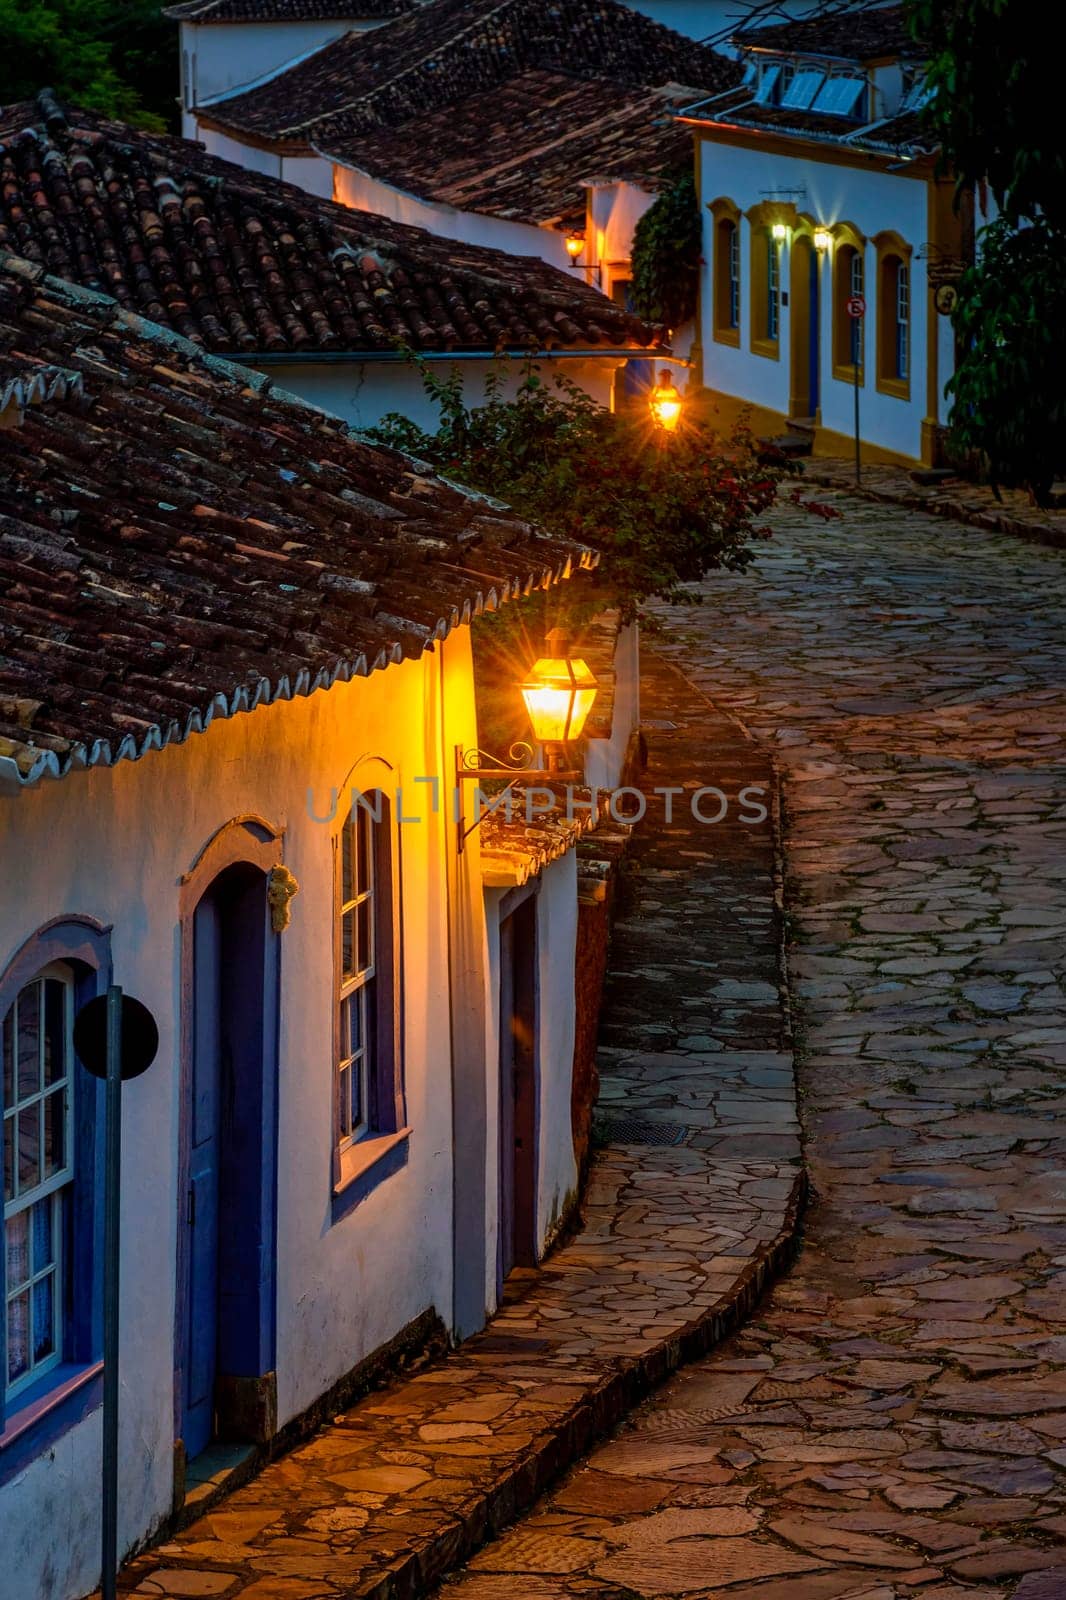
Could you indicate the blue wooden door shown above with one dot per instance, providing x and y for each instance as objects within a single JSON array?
[
  {"x": 815, "y": 335},
  {"x": 201, "y": 1339}
]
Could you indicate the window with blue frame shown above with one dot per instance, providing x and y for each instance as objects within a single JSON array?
[
  {"x": 894, "y": 321},
  {"x": 903, "y": 320},
  {"x": 38, "y": 1063},
  {"x": 773, "y": 285},
  {"x": 734, "y": 275},
  {"x": 856, "y": 289}
]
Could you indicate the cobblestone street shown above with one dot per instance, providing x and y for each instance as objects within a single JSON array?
[{"x": 893, "y": 1420}]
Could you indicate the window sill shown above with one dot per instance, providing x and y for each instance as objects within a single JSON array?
[
  {"x": 898, "y": 388},
  {"x": 39, "y": 1420},
  {"x": 366, "y": 1164},
  {"x": 766, "y": 347},
  {"x": 727, "y": 336},
  {"x": 844, "y": 372}
]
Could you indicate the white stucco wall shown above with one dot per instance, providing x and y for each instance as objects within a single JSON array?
[
  {"x": 308, "y": 172},
  {"x": 364, "y": 392},
  {"x": 604, "y": 758},
  {"x": 364, "y": 193},
  {"x": 113, "y": 845},
  {"x": 556, "y": 954},
  {"x": 222, "y": 58},
  {"x": 873, "y": 202}
]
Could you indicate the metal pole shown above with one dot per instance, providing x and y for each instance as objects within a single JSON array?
[
  {"x": 857, "y": 352},
  {"x": 113, "y": 1162}
]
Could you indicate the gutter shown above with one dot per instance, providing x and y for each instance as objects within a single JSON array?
[{"x": 329, "y": 358}]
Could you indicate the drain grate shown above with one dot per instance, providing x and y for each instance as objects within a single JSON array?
[{"x": 629, "y": 1130}]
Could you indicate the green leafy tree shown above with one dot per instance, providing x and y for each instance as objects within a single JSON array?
[
  {"x": 995, "y": 110},
  {"x": 661, "y": 510},
  {"x": 118, "y": 57},
  {"x": 666, "y": 256}
]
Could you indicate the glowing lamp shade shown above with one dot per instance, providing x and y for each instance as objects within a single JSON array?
[
  {"x": 822, "y": 238},
  {"x": 575, "y": 243},
  {"x": 665, "y": 403},
  {"x": 559, "y": 694},
  {"x": 780, "y": 232}
]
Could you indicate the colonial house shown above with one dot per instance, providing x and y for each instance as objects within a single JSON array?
[
  {"x": 513, "y": 125},
  {"x": 226, "y": 45},
  {"x": 330, "y": 302},
  {"x": 235, "y": 681},
  {"x": 830, "y": 238}
]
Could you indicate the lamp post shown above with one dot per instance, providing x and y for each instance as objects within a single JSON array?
[
  {"x": 665, "y": 402},
  {"x": 559, "y": 691}
]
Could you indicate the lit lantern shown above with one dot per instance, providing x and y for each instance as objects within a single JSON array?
[
  {"x": 559, "y": 693},
  {"x": 665, "y": 402},
  {"x": 575, "y": 243},
  {"x": 822, "y": 238},
  {"x": 780, "y": 232}
]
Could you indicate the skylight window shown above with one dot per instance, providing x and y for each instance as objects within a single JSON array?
[
  {"x": 840, "y": 96},
  {"x": 802, "y": 90},
  {"x": 764, "y": 94}
]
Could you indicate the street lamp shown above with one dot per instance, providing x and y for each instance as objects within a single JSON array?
[
  {"x": 779, "y": 231},
  {"x": 575, "y": 243},
  {"x": 665, "y": 402}
]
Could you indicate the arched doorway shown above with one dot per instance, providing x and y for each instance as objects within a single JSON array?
[
  {"x": 805, "y": 336},
  {"x": 225, "y": 1381}
]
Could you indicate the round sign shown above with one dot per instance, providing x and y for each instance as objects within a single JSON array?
[
  {"x": 945, "y": 299},
  {"x": 140, "y": 1037},
  {"x": 856, "y": 305}
]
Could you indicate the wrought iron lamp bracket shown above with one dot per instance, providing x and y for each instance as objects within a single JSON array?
[{"x": 517, "y": 768}]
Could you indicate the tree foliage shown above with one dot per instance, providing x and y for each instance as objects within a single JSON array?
[
  {"x": 118, "y": 57},
  {"x": 661, "y": 512},
  {"x": 666, "y": 256},
  {"x": 995, "y": 111}
]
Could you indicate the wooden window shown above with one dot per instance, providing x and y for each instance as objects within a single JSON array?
[
  {"x": 765, "y": 290},
  {"x": 893, "y": 316},
  {"x": 849, "y": 280},
  {"x": 726, "y": 272},
  {"x": 368, "y": 1089},
  {"x": 38, "y": 1162}
]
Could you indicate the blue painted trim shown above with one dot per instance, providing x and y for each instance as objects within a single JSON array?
[
  {"x": 70, "y": 1395},
  {"x": 392, "y": 1159},
  {"x": 85, "y": 945}
]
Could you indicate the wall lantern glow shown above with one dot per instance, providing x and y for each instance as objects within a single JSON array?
[
  {"x": 780, "y": 232},
  {"x": 559, "y": 694},
  {"x": 575, "y": 243},
  {"x": 822, "y": 238},
  {"x": 665, "y": 402}
]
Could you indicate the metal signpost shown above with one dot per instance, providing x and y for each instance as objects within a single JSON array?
[
  {"x": 115, "y": 1038},
  {"x": 856, "y": 311}
]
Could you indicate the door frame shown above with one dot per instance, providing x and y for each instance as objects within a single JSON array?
[
  {"x": 805, "y": 329},
  {"x": 520, "y": 908},
  {"x": 247, "y": 840}
]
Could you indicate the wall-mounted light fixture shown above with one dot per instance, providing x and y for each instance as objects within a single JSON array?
[
  {"x": 665, "y": 402},
  {"x": 575, "y": 243},
  {"x": 559, "y": 692},
  {"x": 779, "y": 231},
  {"x": 822, "y": 238}
]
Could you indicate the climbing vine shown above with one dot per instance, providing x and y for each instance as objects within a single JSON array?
[{"x": 666, "y": 256}]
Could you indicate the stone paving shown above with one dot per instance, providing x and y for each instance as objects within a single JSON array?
[
  {"x": 892, "y": 1422},
  {"x": 693, "y": 1205}
]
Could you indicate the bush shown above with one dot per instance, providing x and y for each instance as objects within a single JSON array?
[
  {"x": 662, "y": 512},
  {"x": 667, "y": 245}
]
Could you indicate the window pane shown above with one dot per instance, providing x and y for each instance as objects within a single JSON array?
[
  {"x": 363, "y": 827},
  {"x": 44, "y": 1327},
  {"x": 18, "y": 1337},
  {"x": 366, "y": 934},
  {"x": 43, "y": 1243},
  {"x": 29, "y": 1040},
  {"x": 345, "y": 1120},
  {"x": 30, "y": 1146},
  {"x": 9, "y": 1058},
  {"x": 355, "y": 1081},
  {"x": 18, "y": 1250},
  {"x": 351, "y": 1025},
  {"x": 348, "y": 944},
  {"x": 55, "y": 1031},
  {"x": 347, "y": 881},
  {"x": 9, "y": 1158},
  {"x": 54, "y": 1131}
]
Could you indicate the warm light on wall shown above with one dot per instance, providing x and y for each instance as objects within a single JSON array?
[
  {"x": 575, "y": 243},
  {"x": 559, "y": 694},
  {"x": 665, "y": 402},
  {"x": 822, "y": 238},
  {"x": 780, "y": 232}
]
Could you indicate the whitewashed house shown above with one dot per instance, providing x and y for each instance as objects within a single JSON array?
[
  {"x": 820, "y": 195},
  {"x": 235, "y": 671},
  {"x": 513, "y": 125},
  {"x": 227, "y": 45}
]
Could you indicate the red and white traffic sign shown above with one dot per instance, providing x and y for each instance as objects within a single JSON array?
[{"x": 856, "y": 306}]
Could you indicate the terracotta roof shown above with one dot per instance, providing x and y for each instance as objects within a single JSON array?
[
  {"x": 243, "y": 263},
  {"x": 451, "y": 50},
  {"x": 288, "y": 10},
  {"x": 523, "y": 151},
  {"x": 851, "y": 33},
  {"x": 905, "y": 134},
  {"x": 180, "y": 542},
  {"x": 519, "y": 836}
]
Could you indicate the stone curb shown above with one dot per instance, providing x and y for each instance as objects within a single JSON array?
[{"x": 992, "y": 519}]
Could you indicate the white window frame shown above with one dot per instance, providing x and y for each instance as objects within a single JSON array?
[
  {"x": 903, "y": 319},
  {"x": 52, "y": 1189},
  {"x": 356, "y": 987}
]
